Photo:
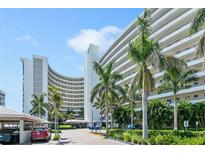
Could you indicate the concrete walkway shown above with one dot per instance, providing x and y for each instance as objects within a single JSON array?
[{"x": 84, "y": 137}]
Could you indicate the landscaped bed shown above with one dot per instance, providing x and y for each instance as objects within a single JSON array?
[
  {"x": 65, "y": 127},
  {"x": 160, "y": 137}
]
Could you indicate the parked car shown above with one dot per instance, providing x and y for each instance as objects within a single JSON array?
[
  {"x": 9, "y": 136},
  {"x": 133, "y": 126},
  {"x": 40, "y": 133}
]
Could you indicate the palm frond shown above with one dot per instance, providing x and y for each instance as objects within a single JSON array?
[{"x": 198, "y": 21}]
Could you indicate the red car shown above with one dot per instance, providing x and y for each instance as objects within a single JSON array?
[{"x": 40, "y": 133}]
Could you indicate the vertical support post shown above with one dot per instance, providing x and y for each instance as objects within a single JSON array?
[{"x": 21, "y": 131}]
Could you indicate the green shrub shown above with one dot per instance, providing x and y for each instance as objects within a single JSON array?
[
  {"x": 164, "y": 137},
  {"x": 193, "y": 141},
  {"x": 167, "y": 139},
  {"x": 142, "y": 141},
  {"x": 152, "y": 141},
  {"x": 135, "y": 138},
  {"x": 127, "y": 137},
  {"x": 56, "y": 137},
  {"x": 65, "y": 127}
]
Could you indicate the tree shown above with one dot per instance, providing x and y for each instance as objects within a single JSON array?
[
  {"x": 131, "y": 96},
  {"x": 121, "y": 115},
  {"x": 184, "y": 111},
  {"x": 197, "y": 23},
  {"x": 159, "y": 113},
  {"x": 175, "y": 79},
  {"x": 39, "y": 106},
  {"x": 198, "y": 110},
  {"x": 106, "y": 88},
  {"x": 56, "y": 104},
  {"x": 81, "y": 113},
  {"x": 144, "y": 52}
]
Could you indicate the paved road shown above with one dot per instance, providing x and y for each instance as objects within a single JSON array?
[{"x": 82, "y": 137}]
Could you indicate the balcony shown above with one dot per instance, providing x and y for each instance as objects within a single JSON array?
[{"x": 194, "y": 88}]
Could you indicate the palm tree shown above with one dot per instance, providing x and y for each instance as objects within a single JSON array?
[
  {"x": 144, "y": 52},
  {"x": 197, "y": 23},
  {"x": 131, "y": 96},
  {"x": 106, "y": 88},
  {"x": 176, "y": 79},
  {"x": 56, "y": 104},
  {"x": 39, "y": 106}
]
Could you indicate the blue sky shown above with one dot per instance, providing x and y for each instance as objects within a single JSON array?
[{"x": 62, "y": 35}]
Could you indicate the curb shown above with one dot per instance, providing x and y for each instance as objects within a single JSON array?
[{"x": 129, "y": 143}]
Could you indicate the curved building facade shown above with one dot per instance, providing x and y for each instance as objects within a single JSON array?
[
  {"x": 170, "y": 27},
  {"x": 72, "y": 90},
  {"x": 2, "y": 98},
  {"x": 38, "y": 76}
]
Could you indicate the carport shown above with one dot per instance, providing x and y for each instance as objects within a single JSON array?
[{"x": 23, "y": 122}]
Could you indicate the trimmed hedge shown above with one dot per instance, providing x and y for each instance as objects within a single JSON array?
[
  {"x": 65, "y": 127},
  {"x": 160, "y": 137}
]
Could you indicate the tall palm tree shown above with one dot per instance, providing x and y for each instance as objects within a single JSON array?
[
  {"x": 39, "y": 106},
  {"x": 131, "y": 96},
  {"x": 197, "y": 23},
  {"x": 144, "y": 52},
  {"x": 106, "y": 88},
  {"x": 56, "y": 104},
  {"x": 174, "y": 80}
]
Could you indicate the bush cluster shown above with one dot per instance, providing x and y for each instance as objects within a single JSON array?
[
  {"x": 65, "y": 127},
  {"x": 160, "y": 137},
  {"x": 56, "y": 137}
]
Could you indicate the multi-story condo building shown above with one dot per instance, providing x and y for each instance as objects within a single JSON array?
[
  {"x": 170, "y": 27},
  {"x": 38, "y": 76},
  {"x": 2, "y": 98}
]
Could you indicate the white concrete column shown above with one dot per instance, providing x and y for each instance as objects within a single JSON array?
[{"x": 21, "y": 131}]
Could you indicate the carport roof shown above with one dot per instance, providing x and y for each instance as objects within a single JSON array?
[{"x": 11, "y": 115}]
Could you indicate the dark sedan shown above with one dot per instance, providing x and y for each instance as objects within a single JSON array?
[{"x": 9, "y": 136}]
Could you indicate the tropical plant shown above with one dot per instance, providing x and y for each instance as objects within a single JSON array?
[
  {"x": 144, "y": 52},
  {"x": 198, "y": 113},
  {"x": 185, "y": 110},
  {"x": 39, "y": 106},
  {"x": 131, "y": 96},
  {"x": 197, "y": 23},
  {"x": 121, "y": 116},
  {"x": 106, "y": 89},
  {"x": 159, "y": 113},
  {"x": 56, "y": 103},
  {"x": 175, "y": 79},
  {"x": 81, "y": 113}
]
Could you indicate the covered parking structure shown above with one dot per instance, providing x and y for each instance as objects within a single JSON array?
[{"x": 21, "y": 122}]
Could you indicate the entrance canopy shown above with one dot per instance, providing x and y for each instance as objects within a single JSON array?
[{"x": 75, "y": 121}]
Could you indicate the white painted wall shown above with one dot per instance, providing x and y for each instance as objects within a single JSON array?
[
  {"x": 91, "y": 80},
  {"x": 27, "y": 84}
]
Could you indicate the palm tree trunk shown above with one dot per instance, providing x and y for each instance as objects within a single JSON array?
[
  {"x": 175, "y": 113},
  {"x": 55, "y": 124},
  {"x": 111, "y": 119},
  {"x": 144, "y": 113},
  {"x": 106, "y": 118},
  {"x": 131, "y": 115}
]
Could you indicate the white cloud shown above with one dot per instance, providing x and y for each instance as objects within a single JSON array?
[
  {"x": 28, "y": 38},
  {"x": 103, "y": 37}
]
